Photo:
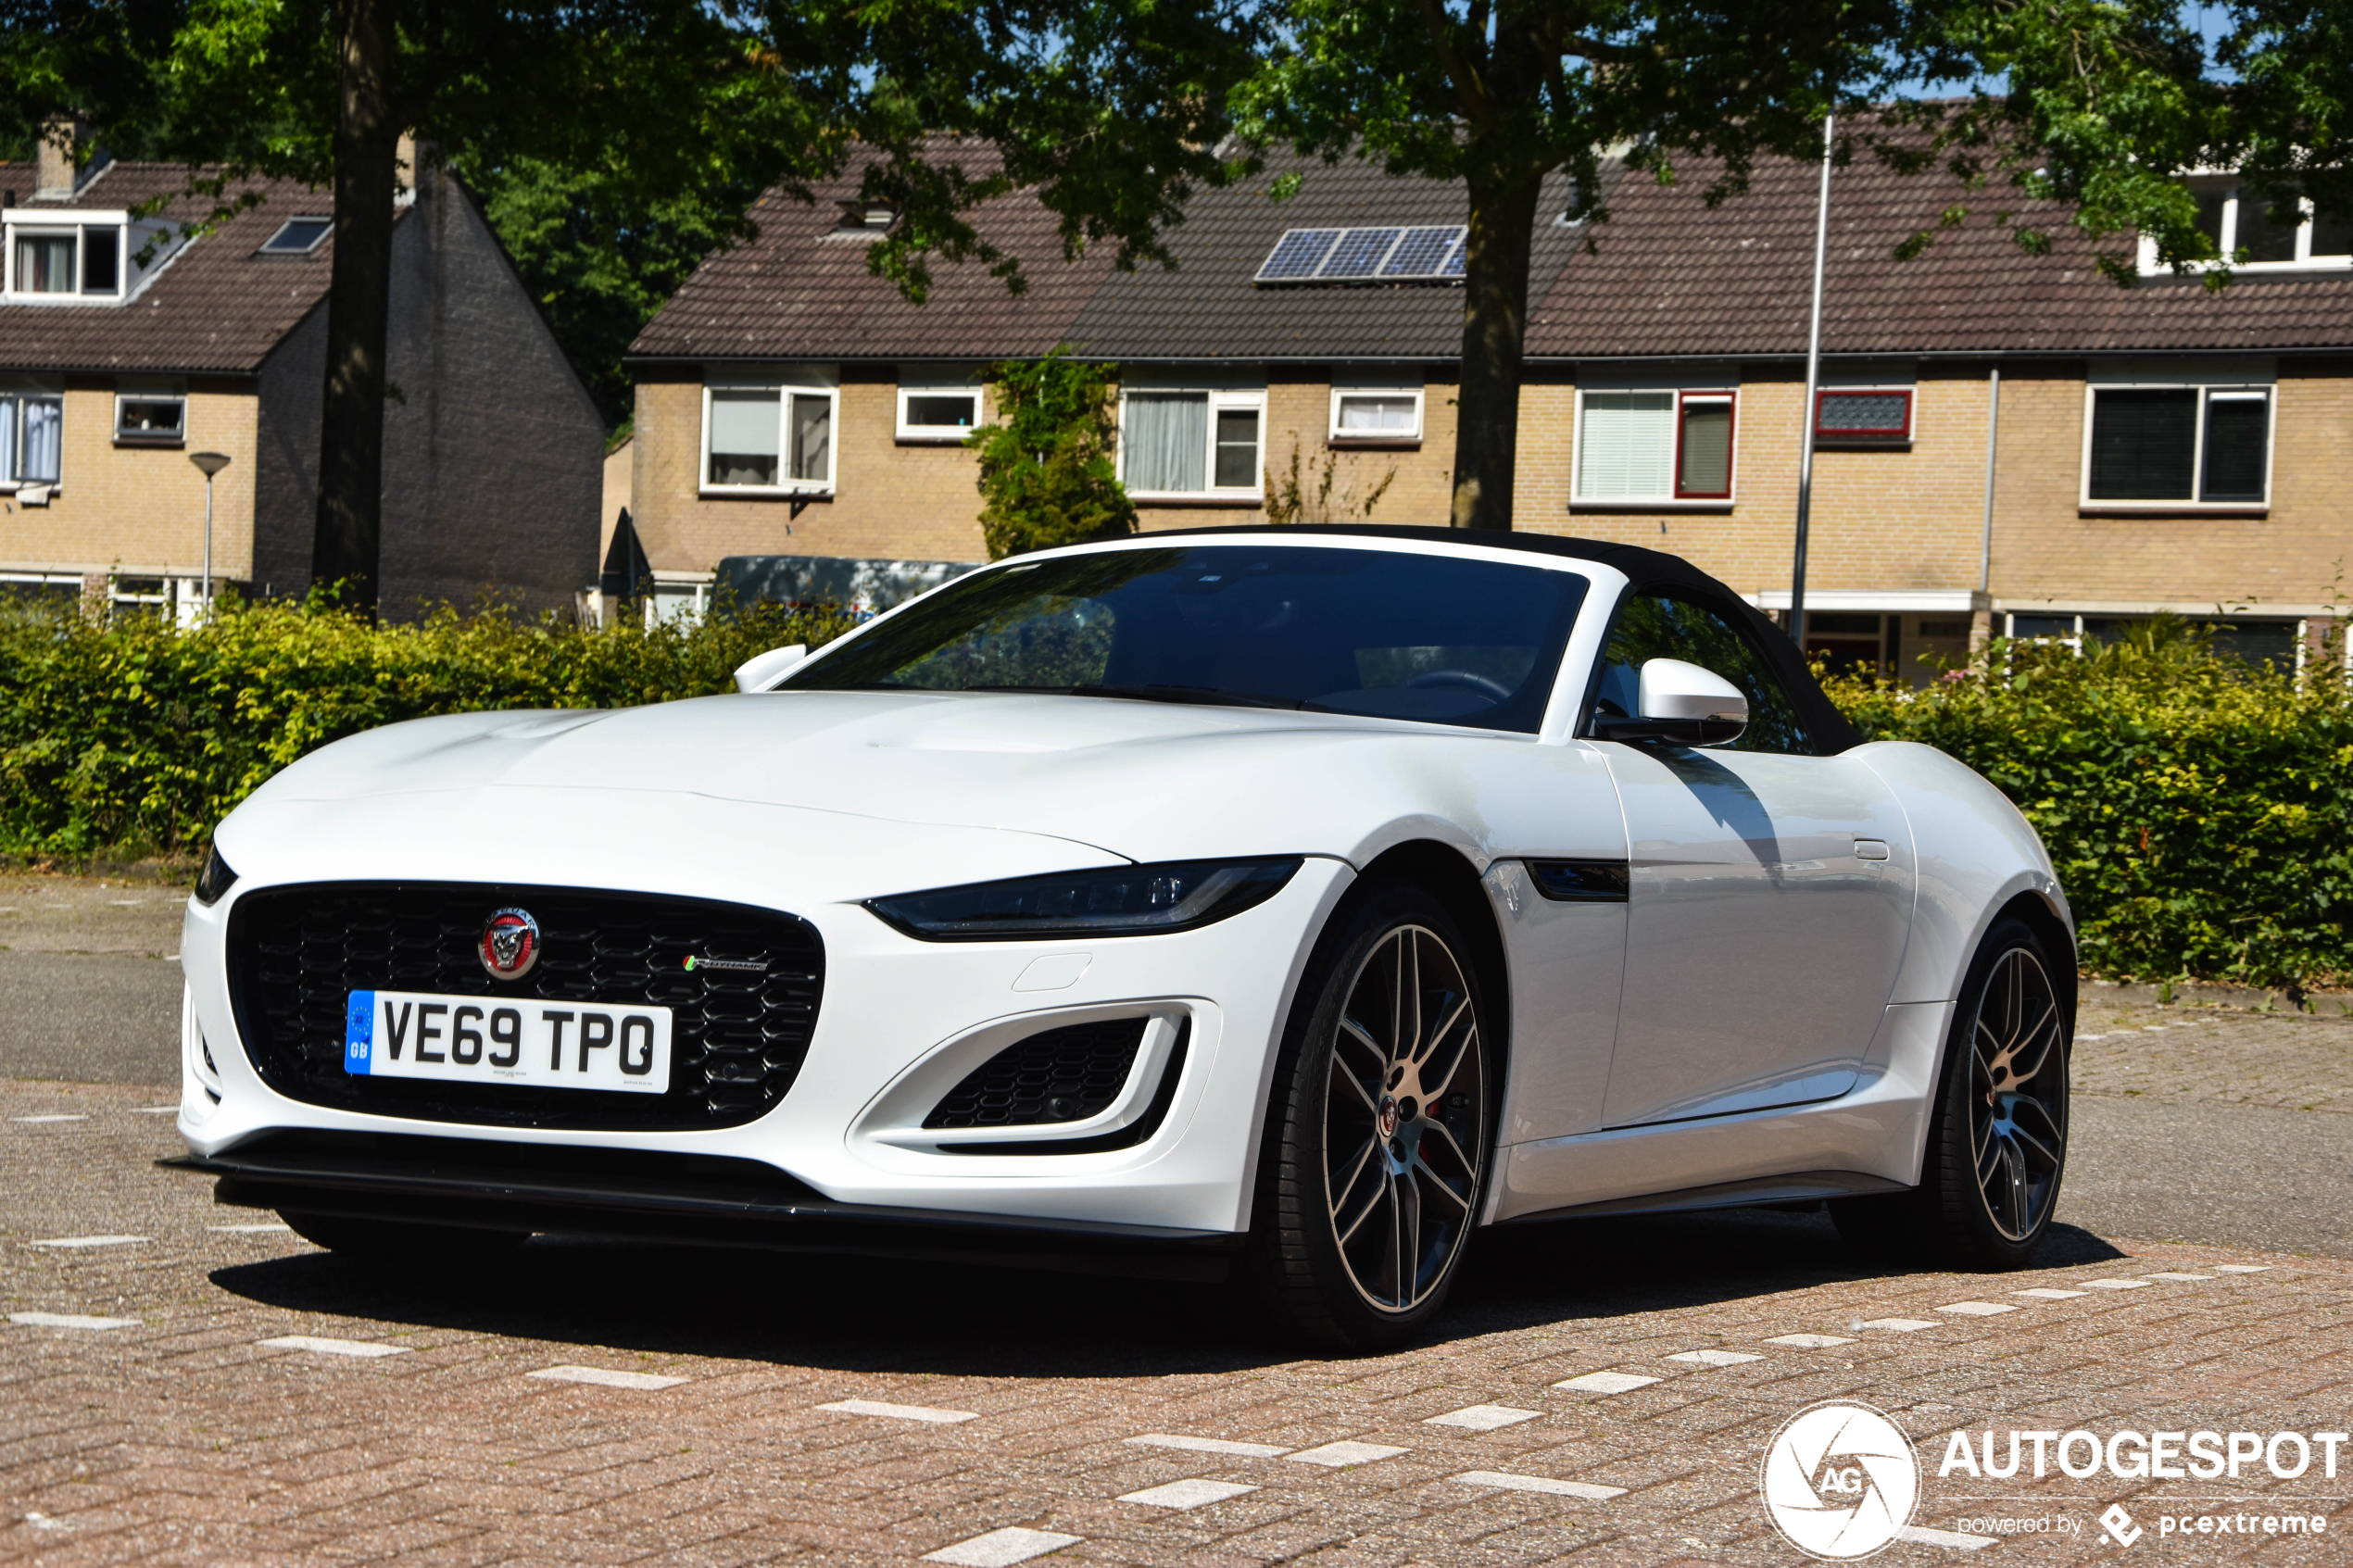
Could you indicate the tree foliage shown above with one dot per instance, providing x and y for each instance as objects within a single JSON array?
[{"x": 1045, "y": 472}]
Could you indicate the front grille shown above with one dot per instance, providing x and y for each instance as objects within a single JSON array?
[
  {"x": 737, "y": 1035},
  {"x": 1061, "y": 1075}
]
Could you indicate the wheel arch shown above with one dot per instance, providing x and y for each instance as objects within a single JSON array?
[{"x": 1448, "y": 875}]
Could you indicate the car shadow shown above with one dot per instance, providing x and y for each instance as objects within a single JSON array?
[{"x": 880, "y": 1315}]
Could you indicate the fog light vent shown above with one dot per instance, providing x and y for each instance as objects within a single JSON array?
[{"x": 1061, "y": 1076}]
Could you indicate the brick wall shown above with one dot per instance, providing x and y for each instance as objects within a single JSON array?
[{"x": 141, "y": 508}]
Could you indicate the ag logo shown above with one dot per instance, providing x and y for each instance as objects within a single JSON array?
[{"x": 1840, "y": 1480}]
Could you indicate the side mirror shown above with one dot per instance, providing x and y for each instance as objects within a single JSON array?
[
  {"x": 1682, "y": 704},
  {"x": 763, "y": 671}
]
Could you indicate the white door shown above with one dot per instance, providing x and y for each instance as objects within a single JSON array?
[{"x": 1769, "y": 896}]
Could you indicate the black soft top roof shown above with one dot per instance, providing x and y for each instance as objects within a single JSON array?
[{"x": 1829, "y": 729}]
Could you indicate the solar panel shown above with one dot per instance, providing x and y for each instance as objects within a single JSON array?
[
  {"x": 1297, "y": 255},
  {"x": 1419, "y": 252},
  {"x": 1359, "y": 253},
  {"x": 1452, "y": 266}
]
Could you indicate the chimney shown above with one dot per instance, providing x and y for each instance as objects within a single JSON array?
[
  {"x": 404, "y": 176},
  {"x": 61, "y": 139}
]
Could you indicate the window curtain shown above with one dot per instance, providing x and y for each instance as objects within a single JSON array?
[
  {"x": 1167, "y": 440},
  {"x": 8, "y": 440},
  {"x": 44, "y": 430},
  {"x": 812, "y": 436},
  {"x": 1628, "y": 448}
]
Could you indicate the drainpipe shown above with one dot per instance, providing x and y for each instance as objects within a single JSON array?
[{"x": 1993, "y": 437}]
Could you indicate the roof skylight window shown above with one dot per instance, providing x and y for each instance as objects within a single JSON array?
[
  {"x": 297, "y": 236},
  {"x": 1387, "y": 255}
]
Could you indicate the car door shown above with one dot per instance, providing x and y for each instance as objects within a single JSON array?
[{"x": 1769, "y": 889}]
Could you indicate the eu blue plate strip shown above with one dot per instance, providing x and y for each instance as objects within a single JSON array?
[{"x": 359, "y": 1032}]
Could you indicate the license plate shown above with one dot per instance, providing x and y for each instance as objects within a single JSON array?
[{"x": 484, "y": 1040}]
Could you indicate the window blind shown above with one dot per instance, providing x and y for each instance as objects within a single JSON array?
[
  {"x": 2143, "y": 444},
  {"x": 745, "y": 436},
  {"x": 1626, "y": 447},
  {"x": 1706, "y": 450},
  {"x": 2237, "y": 424}
]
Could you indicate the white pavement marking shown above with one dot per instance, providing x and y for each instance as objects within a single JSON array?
[
  {"x": 1002, "y": 1549},
  {"x": 1605, "y": 1383},
  {"x": 1483, "y": 1418},
  {"x": 2180, "y": 1276},
  {"x": 155, "y": 1110},
  {"x": 2044, "y": 1293},
  {"x": 1810, "y": 1341},
  {"x": 597, "y": 1374},
  {"x": 90, "y": 1240},
  {"x": 60, "y": 1117},
  {"x": 1719, "y": 1357},
  {"x": 1509, "y": 1481},
  {"x": 1978, "y": 1308},
  {"x": 1920, "y": 1535},
  {"x": 2240, "y": 1268},
  {"x": 1208, "y": 1444},
  {"x": 1187, "y": 1494},
  {"x": 2116, "y": 1284},
  {"x": 252, "y": 1230},
  {"x": 70, "y": 1320},
  {"x": 2091, "y": 1036},
  {"x": 901, "y": 1413},
  {"x": 1900, "y": 1325},
  {"x": 1333, "y": 1455},
  {"x": 334, "y": 1346}
]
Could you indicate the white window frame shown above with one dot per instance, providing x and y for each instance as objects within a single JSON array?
[
  {"x": 1671, "y": 501},
  {"x": 2235, "y": 193},
  {"x": 939, "y": 436},
  {"x": 1338, "y": 437},
  {"x": 136, "y": 438},
  {"x": 1254, "y": 398},
  {"x": 796, "y": 381},
  {"x": 2207, "y": 392},
  {"x": 130, "y": 277}
]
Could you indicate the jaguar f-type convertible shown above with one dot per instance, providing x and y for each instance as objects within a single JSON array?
[{"x": 1281, "y": 905}]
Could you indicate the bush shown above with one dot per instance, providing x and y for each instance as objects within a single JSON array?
[
  {"x": 2199, "y": 810},
  {"x": 1045, "y": 472},
  {"x": 137, "y": 738}
]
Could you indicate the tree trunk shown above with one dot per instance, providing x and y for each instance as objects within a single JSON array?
[
  {"x": 346, "y": 546},
  {"x": 1503, "y": 229}
]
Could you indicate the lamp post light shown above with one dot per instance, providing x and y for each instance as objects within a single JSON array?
[{"x": 211, "y": 463}]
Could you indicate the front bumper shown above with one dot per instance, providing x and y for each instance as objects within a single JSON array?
[{"x": 899, "y": 1022}]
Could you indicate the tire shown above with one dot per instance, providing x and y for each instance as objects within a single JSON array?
[
  {"x": 1996, "y": 1146},
  {"x": 1367, "y": 1192},
  {"x": 396, "y": 1241}
]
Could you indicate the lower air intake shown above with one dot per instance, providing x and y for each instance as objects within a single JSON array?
[{"x": 1061, "y": 1075}]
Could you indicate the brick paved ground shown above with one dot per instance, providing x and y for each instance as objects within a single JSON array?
[
  {"x": 2219, "y": 1056},
  {"x": 185, "y": 1437}
]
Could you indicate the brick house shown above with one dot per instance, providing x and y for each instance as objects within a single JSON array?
[
  {"x": 123, "y": 349},
  {"x": 2005, "y": 442}
]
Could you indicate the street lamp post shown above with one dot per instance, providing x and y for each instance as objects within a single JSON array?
[
  {"x": 211, "y": 463},
  {"x": 1813, "y": 385}
]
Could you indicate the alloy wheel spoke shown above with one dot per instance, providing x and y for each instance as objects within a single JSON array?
[
  {"x": 1441, "y": 1183},
  {"x": 1431, "y": 1127},
  {"x": 1340, "y": 1075},
  {"x": 1351, "y": 1029},
  {"x": 1355, "y": 1173}
]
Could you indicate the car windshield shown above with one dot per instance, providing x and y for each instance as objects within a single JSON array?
[{"x": 1381, "y": 633}]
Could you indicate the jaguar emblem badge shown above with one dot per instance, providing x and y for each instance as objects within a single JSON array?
[{"x": 509, "y": 943}]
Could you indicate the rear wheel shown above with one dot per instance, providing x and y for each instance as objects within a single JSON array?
[
  {"x": 396, "y": 1240},
  {"x": 1998, "y": 1139},
  {"x": 1377, "y": 1135}
]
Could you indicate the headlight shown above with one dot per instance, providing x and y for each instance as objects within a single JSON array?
[
  {"x": 215, "y": 879},
  {"x": 1124, "y": 901}
]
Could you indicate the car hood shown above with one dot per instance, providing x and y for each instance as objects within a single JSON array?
[{"x": 1140, "y": 780}]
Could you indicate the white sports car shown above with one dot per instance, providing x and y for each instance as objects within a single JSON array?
[{"x": 1280, "y": 904}]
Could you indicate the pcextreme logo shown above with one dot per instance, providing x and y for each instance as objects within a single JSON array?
[{"x": 1840, "y": 1480}]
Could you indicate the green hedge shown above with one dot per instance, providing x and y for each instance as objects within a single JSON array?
[
  {"x": 136, "y": 738},
  {"x": 2200, "y": 810}
]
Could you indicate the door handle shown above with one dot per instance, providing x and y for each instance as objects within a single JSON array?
[{"x": 1870, "y": 850}]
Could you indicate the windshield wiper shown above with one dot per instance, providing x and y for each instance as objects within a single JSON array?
[{"x": 1215, "y": 696}]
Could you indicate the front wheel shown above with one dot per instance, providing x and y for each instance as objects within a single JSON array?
[
  {"x": 1378, "y": 1131},
  {"x": 1997, "y": 1137}
]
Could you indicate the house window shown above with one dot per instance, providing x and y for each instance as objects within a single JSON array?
[
  {"x": 31, "y": 432},
  {"x": 940, "y": 412},
  {"x": 50, "y": 260},
  {"x": 1190, "y": 444},
  {"x": 297, "y": 236},
  {"x": 772, "y": 438},
  {"x": 2178, "y": 445},
  {"x": 2238, "y": 218},
  {"x": 144, "y": 419},
  {"x": 1653, "y": 447},
  {"x": 1376, "y": 416},
  {"x": 46, "y": 263},
  {"x": 1864, "y": 414}
]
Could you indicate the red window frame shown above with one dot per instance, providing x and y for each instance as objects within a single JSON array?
[
  {"x": 1850, "y": 433},
  {"x": 1731, "y": 442}
]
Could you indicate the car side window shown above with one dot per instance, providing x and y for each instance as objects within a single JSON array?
[{"x": 1663, "y": 626}]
